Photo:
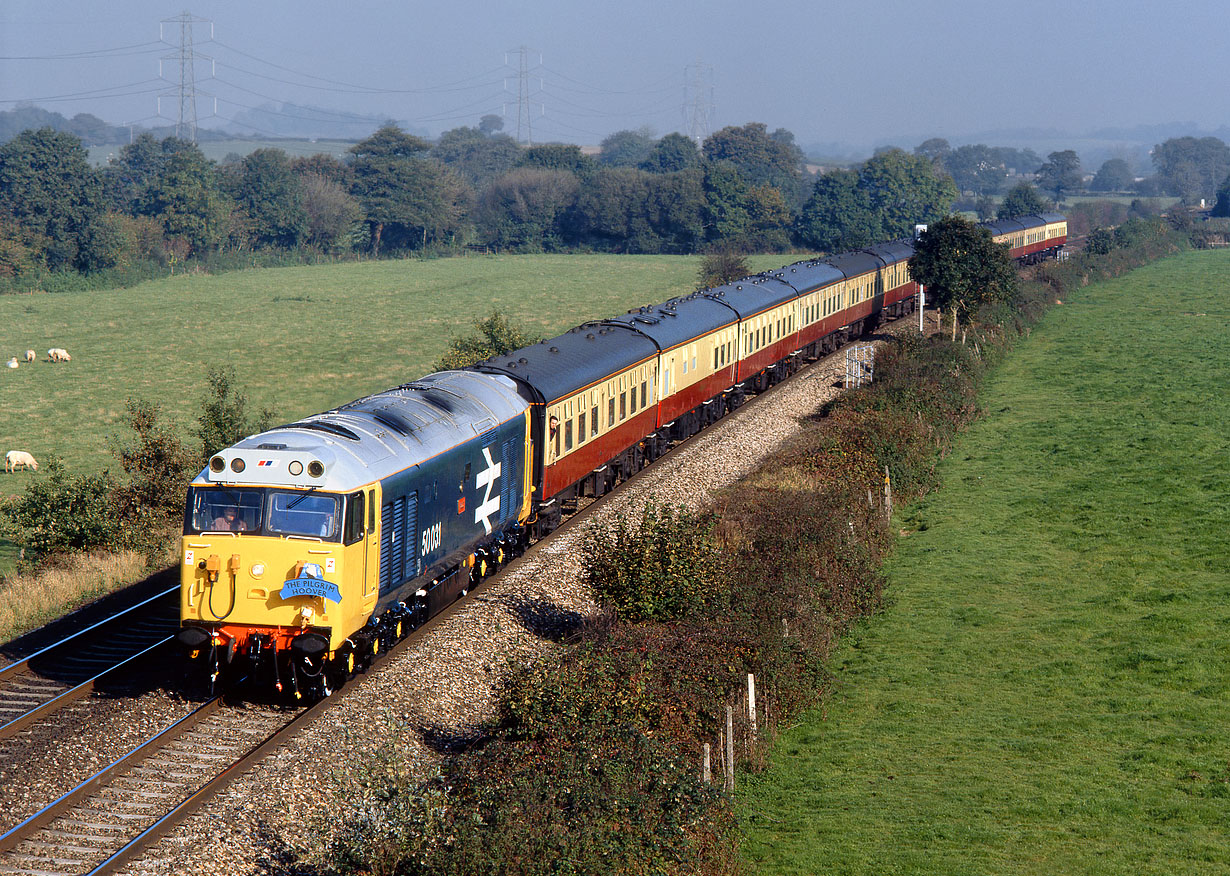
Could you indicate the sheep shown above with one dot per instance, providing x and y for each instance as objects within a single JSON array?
[
  {"x": 58, "y": 354},
  {"x": 30, "y": 355},
  {"x": 14, "y": 458},
  {"x": 11, "y": 363}
]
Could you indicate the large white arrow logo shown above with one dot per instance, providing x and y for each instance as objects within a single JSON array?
[{"x": 486, "y": 478}]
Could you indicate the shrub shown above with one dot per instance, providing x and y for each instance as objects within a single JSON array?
[
  {"x": 61, "y": 513},
  {"x": 224, "y": 413},
  {"x": 495, "y": 336},
  {"x": 611, "y": 801},
  {"x": 661, "y": 567},
  {"x": 719, "y": 268}
]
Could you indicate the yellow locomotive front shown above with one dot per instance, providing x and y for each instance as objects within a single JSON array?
[{"x": 275, "y": 577}]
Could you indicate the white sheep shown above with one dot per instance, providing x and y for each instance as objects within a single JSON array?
[
  {"x": 14, "y": 458},
  {"x": 58, "y": 354},
  {"x": 30, "y": 355},
  {"x": 11, "y": 363}
]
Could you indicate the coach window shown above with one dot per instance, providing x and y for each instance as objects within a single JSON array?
[
  {"x": 623, "y": 405},
  {"x": 567, "y": 434},
  {"x": 632, "y": 400},
  {"x": 593, "y": 416},
  {"x": 581, "y": 427},
  {"x": 610, "y": 420}
]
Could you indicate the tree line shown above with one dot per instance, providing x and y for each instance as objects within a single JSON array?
[{"x": 161, "y": 202}]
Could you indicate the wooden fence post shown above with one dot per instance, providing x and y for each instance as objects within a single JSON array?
[
  {"x": 730, "y": 749},
  {"x": 888, "y": 496},
  {"x": 751, "y": 702},
  {"x": 705, "y": 772}
]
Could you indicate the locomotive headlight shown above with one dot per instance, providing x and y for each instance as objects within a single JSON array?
[
  {"x": 295, "y": 468},
  {"x": 316, "y": 468},
  {"x": 257, "y": 570},
  {"x": 306, "y": 612},
  {"x": 217, "y": 464},
  {"x": 237, "y": 465}
]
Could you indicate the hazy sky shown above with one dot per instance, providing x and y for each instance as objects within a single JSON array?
[{"x": 851, "y": 71}]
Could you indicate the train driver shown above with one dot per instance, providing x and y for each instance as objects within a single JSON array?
[{"x": 230, "y": 521}]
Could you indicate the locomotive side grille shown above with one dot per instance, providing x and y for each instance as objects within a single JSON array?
[{"x": 410, "y": 544}]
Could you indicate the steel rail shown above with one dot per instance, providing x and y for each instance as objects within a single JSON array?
[
  {"x": 18, "y": 665},
  {"x": 16, "y": 725}
]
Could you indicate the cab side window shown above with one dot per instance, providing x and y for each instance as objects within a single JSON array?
[{"x": 354, "y": 519}]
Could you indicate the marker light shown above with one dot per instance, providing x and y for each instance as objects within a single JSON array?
[
  {"x": 316, "y": 468},
  {"x": 237, "y": 465},
  {"x": 217, "y": 464},
  {"x": 257, "y": 570},
  {"x": 295, "y": 468}
]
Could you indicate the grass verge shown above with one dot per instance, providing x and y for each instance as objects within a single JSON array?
[{"x": 1047, "y": 690}]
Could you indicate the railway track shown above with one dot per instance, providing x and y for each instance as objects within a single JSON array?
[{"x": 35, "y": 687}]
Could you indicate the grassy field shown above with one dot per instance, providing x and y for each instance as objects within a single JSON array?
[
  {"x": 1048, "y": 690},
  {"x": 301, "y": 339}
]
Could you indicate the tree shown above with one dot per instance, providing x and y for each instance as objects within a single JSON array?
[
  {"x": 1061, "y": 174},
  {"x": 159, "y": 467},
  {"x": 976, "y": 169},
  {"x": 406, "y": 199},
  {"x": 475, "y": 156},
  {"x": 904, "y": 190},
  {"x": 558, "y": 156},
  {"x": 52, "y": 193},
  {"x": 1192, "y": 168},
  {"x": 838, "y": 216},
  {"x": 491, "y": 124},
  {"x": 759, "y": 158},
  {"x": 770, "y": 219},
  {"x": 187, "y": 199},
  {"x": 332, "y": 213},
  {"x": 495, "y": 336},
  {"x": 626, "y": 148},
  {"x": 1113, "y": 176},
  {"x": 612, "y": 212},
  {"x": 726, "y": 203},
  {"x": 1222, "y": 207},
  {"x": 522, "y": 210},
  {"x": 1022, "y": 200},
  {"x": 272, "y": 195},
  {"x": 935, "y": 150},
  {"x": 961, "y": 266},
  {"x": 672, "y": 153}
]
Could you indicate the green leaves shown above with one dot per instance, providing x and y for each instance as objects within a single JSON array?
[{"x": 662, "y": 567}]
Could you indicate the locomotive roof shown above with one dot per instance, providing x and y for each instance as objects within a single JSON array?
[
  {"x": 678, "y": 320},
  {"x": 376, "y": 435},
  {"x": 751, "y": 295},
  {"x": 809, "y": 275},
  {"x": 562, "y": 365}
]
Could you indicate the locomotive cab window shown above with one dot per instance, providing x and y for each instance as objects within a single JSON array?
[
  {"x": 215, "y": 509},
  {"x": 306, "y": 514},
  {"x": 354, "y": 519}
]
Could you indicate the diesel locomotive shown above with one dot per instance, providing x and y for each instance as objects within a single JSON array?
[{"x": 311, "y": 547}]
